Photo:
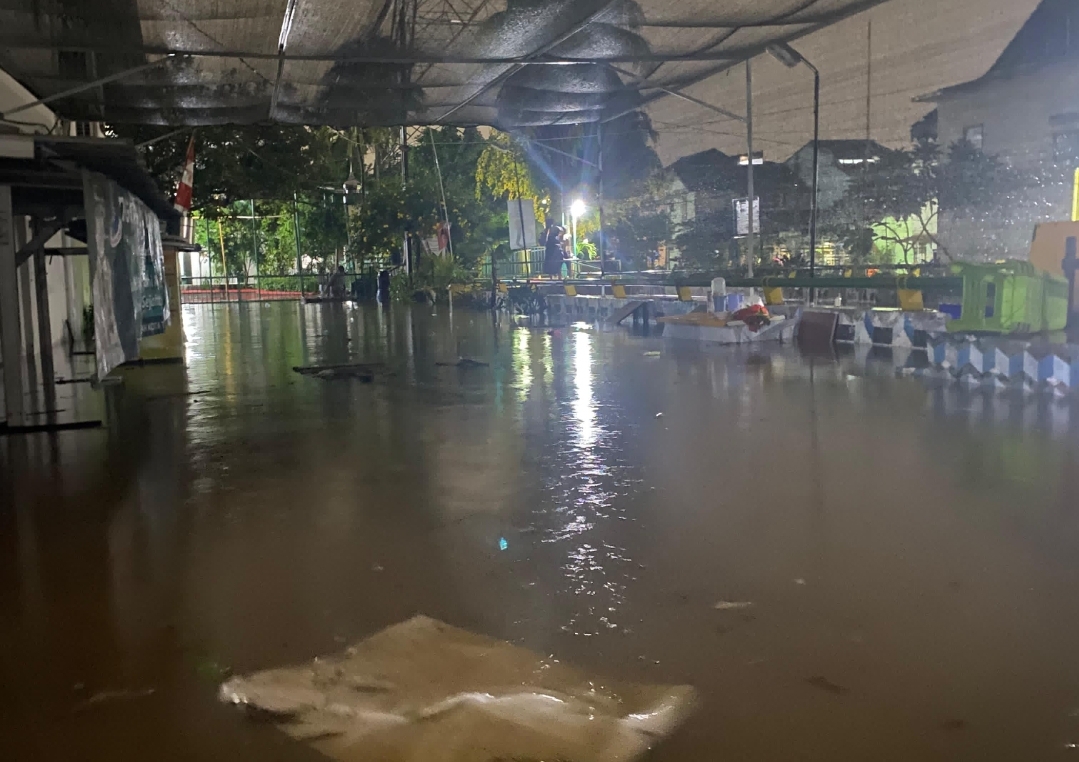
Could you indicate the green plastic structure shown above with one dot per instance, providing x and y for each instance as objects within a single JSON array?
[{"x": 1010, "y": 297}]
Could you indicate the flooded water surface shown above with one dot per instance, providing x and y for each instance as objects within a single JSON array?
[{"x": 847, "y": 565}]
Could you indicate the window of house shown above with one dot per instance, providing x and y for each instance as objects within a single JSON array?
[{"x": 974, "y": 135}]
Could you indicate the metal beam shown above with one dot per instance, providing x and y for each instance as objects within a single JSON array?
[
  {"x": 538, "y": 144},
  {"x": 722, "y": 67},
  {"x": 86, "y": 86},
  {"x": 282, "y": 43},
  {"x": 47, "y": 231},
  {"x": 537, "y": 53},
  {"x": 537, "y": 59},
  {"x": 702, "y": 104},
  {"x": 829, "y": 17}
]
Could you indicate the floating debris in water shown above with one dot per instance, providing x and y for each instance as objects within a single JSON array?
[
  {"x": 653, "y": 354},
  {"x": 464, "y": 362},
  {"x": 359, "y": 372},
  {"x": 732, "y": 605},
  {"x": 799, "y": 581},
  {"x": 827, "y": 685},
  {"x": 424, "y": 685},
  {"x": 102, "y": 697}
]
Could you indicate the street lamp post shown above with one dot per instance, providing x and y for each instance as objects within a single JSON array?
[{"x": 790, "y": 58}]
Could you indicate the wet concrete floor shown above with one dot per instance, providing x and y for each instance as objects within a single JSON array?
[{"x": 911, "y": 554}]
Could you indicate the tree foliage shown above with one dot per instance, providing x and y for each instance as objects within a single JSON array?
[
  {"x": 897, "y": 201},
  {"x": 251, "y": 162},
  {"x": 291, "y": 174},
  {"x": 502, "y": 170}
]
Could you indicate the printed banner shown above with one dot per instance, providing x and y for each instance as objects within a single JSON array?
[
  {"x": 522, "y": 224},
  {"x": 127, "y": 271}
]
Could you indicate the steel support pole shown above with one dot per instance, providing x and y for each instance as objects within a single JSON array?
[
  {"x": 209, "y": 256},
  {"x": 442, "y": 191},
  {"x": 255, "y": 251},
  {"x": 299, "y": 250},
  {"x": 26, "y": 296},
  {"x": 407, "y": 245},
  {"x": 9, "y": 314},
  {"x": 44, "y": 331},
  {"x": 601, "y": 242},
  {"x": 751, "y": 240},
  {"x": 813, "y": 201}
]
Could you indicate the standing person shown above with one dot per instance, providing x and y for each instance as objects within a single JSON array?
[
  {"x": 553, "y": 241},
  {"x": 323, "y": 281},
  {"x": 337, "y": 283}
]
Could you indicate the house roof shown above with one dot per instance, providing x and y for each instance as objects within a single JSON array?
[
  {"x": 713, "y": 171},
  {"x": 1050, "y": 35},
  {"x": 707, "y": 170},
  {"x": 508, "y": 63}
]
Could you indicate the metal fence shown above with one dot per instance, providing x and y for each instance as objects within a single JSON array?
[
  {"x": 529, "y": 264},
  {"x": 254, "y": 288}
]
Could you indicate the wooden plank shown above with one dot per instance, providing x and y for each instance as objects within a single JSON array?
[
  {"x": 625, "y": 312},
  {"x": 817, "y": 328}
]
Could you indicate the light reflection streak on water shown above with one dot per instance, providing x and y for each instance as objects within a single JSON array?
[
  {"x": 593, "y": 568},
  {"x": 522, "y": 363},
  {"x": 583, "y": 407}
]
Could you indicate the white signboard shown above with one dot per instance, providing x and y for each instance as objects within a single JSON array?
[
  {"x": 522, "y": 224},
  {"x": 741, "y": 215}
]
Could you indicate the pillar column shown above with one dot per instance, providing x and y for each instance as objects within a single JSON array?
[{"x": 10, "y": 340}]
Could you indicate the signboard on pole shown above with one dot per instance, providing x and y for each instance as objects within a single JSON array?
[
  {"x": 127, "y": 271},
  {"x": 522, "y": 224},
  {"x": 741, "y": 216}
]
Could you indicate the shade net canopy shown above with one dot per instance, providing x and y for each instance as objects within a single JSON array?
[{"x": 507, "y": 63}]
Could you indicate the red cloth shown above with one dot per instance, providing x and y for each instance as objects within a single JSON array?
[
  {"x": 754, "y": 316},
  {"x": 185, "y": 190}
]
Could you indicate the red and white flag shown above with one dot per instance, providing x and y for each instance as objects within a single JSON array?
[{"x": 185, "y": 189}]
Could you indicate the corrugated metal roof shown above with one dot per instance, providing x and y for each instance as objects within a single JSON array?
[{"x": 382, "y": 62}]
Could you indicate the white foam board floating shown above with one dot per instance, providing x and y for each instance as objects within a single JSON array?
[{"x": 423, "y": 691}]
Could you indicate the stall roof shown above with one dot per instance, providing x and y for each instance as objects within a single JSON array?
[
  {"x": 509, "y": 63},
  {"x": 49, "y": 171}
]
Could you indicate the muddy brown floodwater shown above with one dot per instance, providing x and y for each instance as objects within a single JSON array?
[{"x": 848, "y": 565}]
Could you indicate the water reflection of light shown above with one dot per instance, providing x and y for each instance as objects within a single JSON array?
[
  {"x": 583, "y": 408},
  {"x": 522, "y": 363},
  {"x": 595, "y": 571},
  {"x": 548, "y": 361}
]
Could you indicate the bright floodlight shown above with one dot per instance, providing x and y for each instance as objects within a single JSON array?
[
  {"x": 577, "y": 208},
  {"x": 785, "y": 54}
]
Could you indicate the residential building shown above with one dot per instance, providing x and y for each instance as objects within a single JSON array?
[
  {"x": 705, "y": 185},
  {"x": 1025, "y": 110},
  {"x": 838, "y": 161}
]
